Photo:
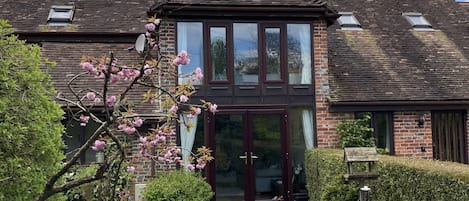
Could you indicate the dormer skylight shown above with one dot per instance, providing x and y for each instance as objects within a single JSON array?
[
  {"x": 348, "y": 21},
  {"x": 60, "y": 15},
  {"x": 417, "y": 21}
]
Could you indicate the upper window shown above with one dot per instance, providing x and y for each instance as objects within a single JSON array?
[
  {"x": 247, "y": 53},
  {"x": 348, "y": 20},
  {"x": 417, "y": 20},
  {"x": 60, "y": 15},
  {"x": 190, "y": 40}
]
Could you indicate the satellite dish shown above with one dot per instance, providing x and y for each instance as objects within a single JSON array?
[{"x": 140, "y": 43}]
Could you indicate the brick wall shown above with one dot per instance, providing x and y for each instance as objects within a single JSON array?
[
  {"x": 145, "y": 169},
  {"x": 409, "y": 139},
  {"x": 326, "y": 122}
]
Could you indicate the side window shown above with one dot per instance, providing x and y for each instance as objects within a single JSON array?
[
  {"x": 301, "y": 125},
  {"x": 190, "y": 39},
  {"x": 75, "y": 136},
  {"x": 382, "y": 124}
]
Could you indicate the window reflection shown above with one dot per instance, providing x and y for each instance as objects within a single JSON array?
[
  {"x": 189, "y": 38},
  {"x": 272, "y": 53},
  {"x": 299, "y": 53},
  {"x": 218, "y": 52},
  {"x": 246, "y": 67},
  {"x": 301, "y": 138}
]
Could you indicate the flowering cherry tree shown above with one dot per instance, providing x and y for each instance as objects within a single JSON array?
[{"x": 120, "y": 120}]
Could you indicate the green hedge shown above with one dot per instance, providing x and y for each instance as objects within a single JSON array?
[
  {"x": 178, "y": 185},
  {"x": 403, "y": 179}
]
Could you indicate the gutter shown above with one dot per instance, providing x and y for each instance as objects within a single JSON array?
[{"x": 399, "y": 105}]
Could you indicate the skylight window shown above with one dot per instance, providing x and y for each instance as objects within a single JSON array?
[
  {"x": 348, "y": 21},
  {"x": 417, "y": 20},
  {"x": 60, "y": 15}
]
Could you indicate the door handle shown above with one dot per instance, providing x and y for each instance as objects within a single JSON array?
[
  {"x": 253, "y": 157},
  {"x": 245, "y": 157}
]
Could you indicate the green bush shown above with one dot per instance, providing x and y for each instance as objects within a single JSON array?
[
  {"x": 355, "y": 133},
  {"x": 403, "y": 179},
  {"x": 30, "y": 121},
  {"x": 178, "y": 186}
]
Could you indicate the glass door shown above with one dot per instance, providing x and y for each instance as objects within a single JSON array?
[{"x": 249, "y": 156}]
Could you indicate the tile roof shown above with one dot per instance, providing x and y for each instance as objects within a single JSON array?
[
  {"x": 90, "y": 15},
  {"x": 68, "y": 56},
  {"x": 251, "y": 2},
  {"x": 390, "y": 61}
]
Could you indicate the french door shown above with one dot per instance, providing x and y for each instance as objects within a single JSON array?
[{"x": 251, "y": 160}]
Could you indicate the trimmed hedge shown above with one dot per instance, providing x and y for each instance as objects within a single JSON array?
[
  {"x": 403, "y": 179},
  {"x": 179, "y": 185}
]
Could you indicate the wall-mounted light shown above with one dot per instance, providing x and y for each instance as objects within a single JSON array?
[{"x": 421, "y": 122}]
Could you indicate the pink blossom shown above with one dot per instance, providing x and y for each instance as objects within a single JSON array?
[
  {"x": 138, "y": 122},
  {"x": 198, "y": 74},
  {"x": 152, "y": 101},
  {"x": 115, "y": 78},
  {"x": 182, "y": 58},
  {"x": 173, "y": 109},
  {"x": 143, "y": 139},
  {"x": 91, "y": 96},
  {"x": 136, "y": 73},
  {"x": 144, "y": 153},
  {"x": 154, "y": 142},
  {"x": 190, "y": 116},
  {"x": 87, "y": 66},
  {"x": 196, "y": 110},
  {"x": 150, "y": 26},
  {"x": 97, "y": 100},
  {"x": 190, "y": 167},
  {"x": 84, "y": 120},
  {"x": 130, "y": 169},
  {"x": 147, "y": 70},
  {"x": 213, "y": 108},
  {"x": 121, "y": 126},
  {"x": 200, "y": 166},
  {"x": 99, "y": 145},
  {"x": 147, "y": 34},
  {"x": 168, "y": 154},
  {"x": 162, "y": 138},
  {"x": 183, "y": 98},
  {"x": 129, "y": 130},
  {"x": 111, "y": 100}
]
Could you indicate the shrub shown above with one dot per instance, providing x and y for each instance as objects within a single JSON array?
[
  {"x": 30, "y": 121},
  {"x": 355, "y": 133},
  {"x": 403, "y": 179},
  {"x": 178, "y": 186}
]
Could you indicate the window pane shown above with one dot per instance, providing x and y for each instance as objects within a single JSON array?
[
  {"x": 272, "y": 51},
  {"x": 76, "y": 136},
  {"x": 218, "y": 52},
  {"x": 299, "y": 53},
  {"x": 382, "y": 131},
  {"x": 189, "y": 38},
  {"x": 246, "y": 67},
  {"x": 301, "y": 138}
]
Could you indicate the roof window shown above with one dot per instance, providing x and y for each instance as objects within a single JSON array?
[
  {"x": 348, "y": 21},
  {"x": 417, "y": 21},
  {"x": 60, "y": 15}
]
